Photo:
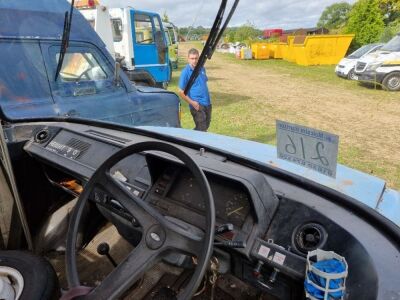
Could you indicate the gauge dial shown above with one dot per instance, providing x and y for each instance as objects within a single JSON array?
[{"x": 237, "y": 208}]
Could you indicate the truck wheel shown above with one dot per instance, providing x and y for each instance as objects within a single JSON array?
[
  {"x": 351, "y": 75},
  {"x": 27, "y": 275},
  {"x": 392, "y": 81}
]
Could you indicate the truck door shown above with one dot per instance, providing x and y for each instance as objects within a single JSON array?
[
  {"x": 150, "y": 45},
  {"x": 85, "y": 86}
]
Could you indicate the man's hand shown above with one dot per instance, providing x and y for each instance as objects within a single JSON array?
[{"x": 195, "y": 105}]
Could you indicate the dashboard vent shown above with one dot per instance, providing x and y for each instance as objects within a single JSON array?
[
  {"x": 42, "y": 136},
  {"x": 78, "y": 145},
  {"x": 309, "y": 237},
  {"x": 108, "y": 136}
]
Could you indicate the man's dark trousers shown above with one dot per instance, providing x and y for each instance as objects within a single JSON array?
[{"x": 202, "y": 117}]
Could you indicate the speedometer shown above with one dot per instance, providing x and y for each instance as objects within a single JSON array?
[
  {"x": 232, "y": 203},
  {"x": 237, "y": 209}
]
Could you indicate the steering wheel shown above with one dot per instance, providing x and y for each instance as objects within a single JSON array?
[
  {"x": 84, "y": 73},
  {"x": 161, "y": 235}
]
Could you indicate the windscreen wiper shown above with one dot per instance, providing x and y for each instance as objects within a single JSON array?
[
  {"x": 212, "y": 41},
  {"x": 65, "y": 38}
]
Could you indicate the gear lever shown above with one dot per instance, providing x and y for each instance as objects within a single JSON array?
[{"x": 104, "y": 249}]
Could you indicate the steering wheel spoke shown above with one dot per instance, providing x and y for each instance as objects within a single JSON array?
[
  {"x": 184, "y": 238},
  {"x": 140, "y": 210},
  {"x": 130, "y": 270}
]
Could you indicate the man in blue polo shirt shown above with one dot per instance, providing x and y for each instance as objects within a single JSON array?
[{"x": 198, "y": 97}]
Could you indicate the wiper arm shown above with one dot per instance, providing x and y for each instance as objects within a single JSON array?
[
  {"x": 212, "y": 41},
  {"x": 65, "y": 38}
]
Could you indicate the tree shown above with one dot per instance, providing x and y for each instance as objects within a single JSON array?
[
  {"x": 390, "y": 10},
  {"x": 390, "y": 31},
  {"x": 165, "y": 17},
  {"x": 246, "y": 33},
  {"x": 366, "y": 22},
  {"x": 334, "y": 16}
]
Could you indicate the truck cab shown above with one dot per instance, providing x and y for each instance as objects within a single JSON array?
[
  {"x": 383, "y": 66},
  {"x": 136, "y": 38},
  {"x": 173, "y": 44}
]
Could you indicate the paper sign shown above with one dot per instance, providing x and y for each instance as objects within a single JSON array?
[{"x": 308, "y": 147}]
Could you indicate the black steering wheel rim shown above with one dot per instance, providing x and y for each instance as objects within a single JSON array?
[{"x": 207, "y": 241}]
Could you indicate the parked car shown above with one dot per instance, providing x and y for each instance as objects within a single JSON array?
[
  {"x": 382, "y": 67},
  {"x": 346, "y": 66},
  {"x": 155, "y": 212}
]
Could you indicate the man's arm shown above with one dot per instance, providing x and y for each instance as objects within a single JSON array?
[
  {"x": 183, "y": 80},
  {"x": 187, "y": 99}
]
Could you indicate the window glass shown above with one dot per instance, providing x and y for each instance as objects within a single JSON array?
[
  {"x": 143, "y": 29},
  {"x": 361, "y": 51},
  {"x": 172, "y": 35},
  {"x": 169, "y": 42},
  {"x": 117, "y": 29},
  {"x": 79, "y": 66},
  {"x": 23, "y": 74},
  {"x": 393, "y": 44},
  {"x": 159, "y": 37}
]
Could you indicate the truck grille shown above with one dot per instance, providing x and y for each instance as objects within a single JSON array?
[{"x": 360, "y": 66}]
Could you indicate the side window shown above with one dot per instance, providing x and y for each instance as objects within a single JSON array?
[
  {"x": 143, "y": 29},
  {"x": 117, "y": 29},
  {"x": 168, "y": 38},
  {"x": 159, "y": 37},
  {"x": 172, "y": 35},
  {"x": 23, "y": 74},
  {"x": 80, "y": 66}
]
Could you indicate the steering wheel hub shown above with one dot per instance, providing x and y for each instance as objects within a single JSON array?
[{"x": 155, "y": 237}]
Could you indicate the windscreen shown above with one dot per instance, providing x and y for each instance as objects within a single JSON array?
[
  {"x": 361, "y": 51},
  {"x": 393, "y": 45}
]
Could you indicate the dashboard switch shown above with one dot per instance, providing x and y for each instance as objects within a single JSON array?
[
  {"x": 257, "y": 269},
  {"x": 224, "y": 228}
]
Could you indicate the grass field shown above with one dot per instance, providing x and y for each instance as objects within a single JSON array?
[{"x": 248, "y": 96}]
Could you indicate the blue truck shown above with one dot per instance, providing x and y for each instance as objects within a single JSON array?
[
  {"x": 136, "y": 38},
  {"x": 88, "y": 84}
]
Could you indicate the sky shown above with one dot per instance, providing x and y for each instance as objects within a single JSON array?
[{"x": 286, "y": 14}]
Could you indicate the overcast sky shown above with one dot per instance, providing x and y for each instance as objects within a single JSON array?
[{"x": 263, "y": 14}]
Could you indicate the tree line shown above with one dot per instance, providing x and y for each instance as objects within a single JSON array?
[
  {"x": 370, "y": 20},
  {"x": 244, "y": 33}
]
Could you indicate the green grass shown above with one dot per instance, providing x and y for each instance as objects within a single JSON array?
[
  {"x": 239, "y": 116},
  {"x": 324, "y": 74}
]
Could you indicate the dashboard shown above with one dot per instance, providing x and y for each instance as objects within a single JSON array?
[
  {"x": 242, "y": 196},
  {"x": 278, "y": 232}
]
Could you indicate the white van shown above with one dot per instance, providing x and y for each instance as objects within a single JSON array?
[
  {"x": 383, "y": 66},
  {"x": 346, "y": 66}
]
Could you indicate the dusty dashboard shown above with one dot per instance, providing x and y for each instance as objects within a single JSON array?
[
  {"x": 176, "y": 189},
  {"x": 242, "y": 196}
]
